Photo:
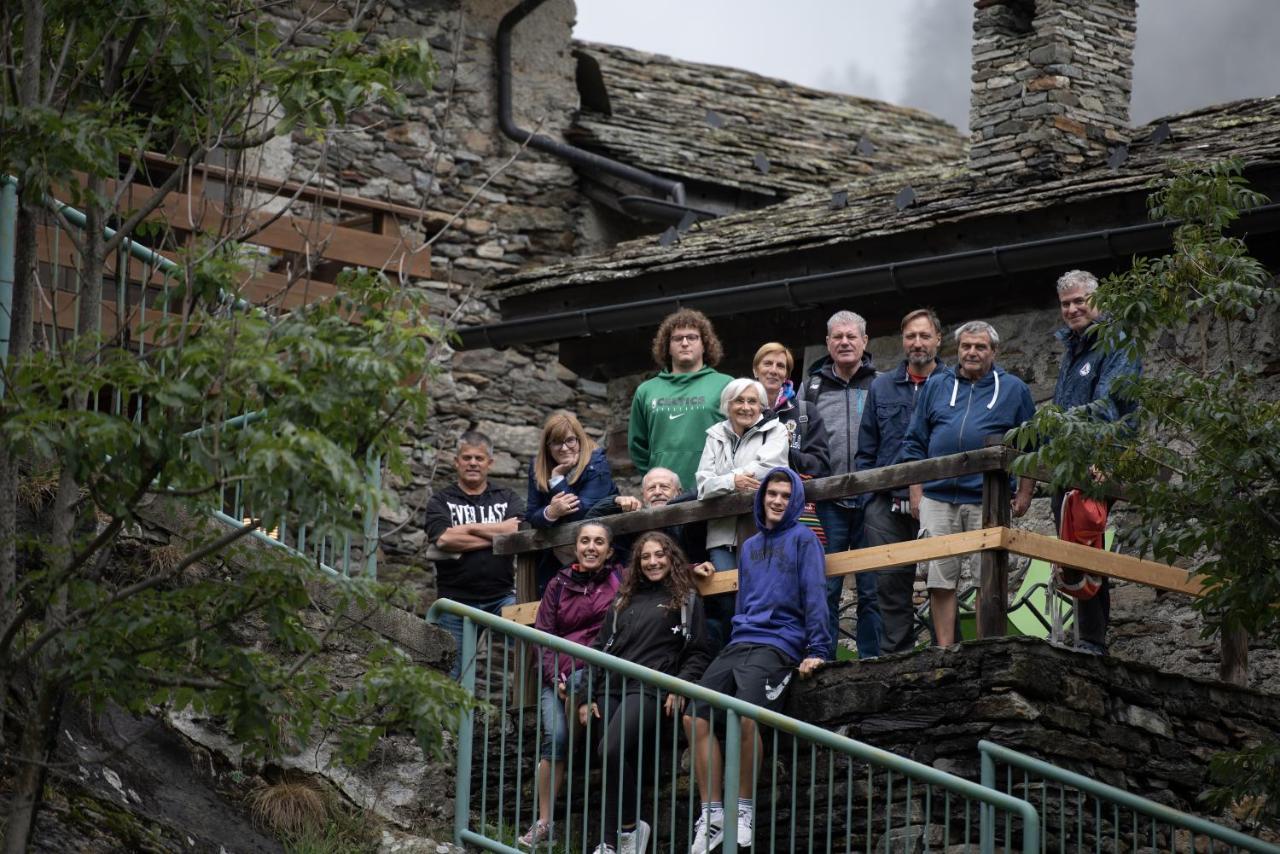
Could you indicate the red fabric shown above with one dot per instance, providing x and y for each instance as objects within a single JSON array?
[{"x": 1084, "y": 521}]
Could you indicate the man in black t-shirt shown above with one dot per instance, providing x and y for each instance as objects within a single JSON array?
[{"x": 464, "y": 518}]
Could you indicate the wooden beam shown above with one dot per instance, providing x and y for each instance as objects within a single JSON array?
[
  {"x": 839, "y": 486},
  {"x": 993, "y": 565},
  {"x": 1099, "y": 562}
]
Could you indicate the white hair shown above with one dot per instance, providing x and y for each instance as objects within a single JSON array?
[
  {"x": 979, "y": 327},
  {"x": 737, "y": 387},
  {"x": 659, "y": 470},
  {"x": 847, "y": 318},
  {"x": 1073, "y": 279}
]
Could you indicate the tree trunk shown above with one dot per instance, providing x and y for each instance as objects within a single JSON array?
[{"x": 39, "y": 735}]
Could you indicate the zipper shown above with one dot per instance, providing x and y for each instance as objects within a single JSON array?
[{"x": 960, "y": 438}]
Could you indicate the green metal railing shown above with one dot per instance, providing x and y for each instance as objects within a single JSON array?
[
  {"x": 1081, "y": 814},
  {"x": 816, "y": 790}
]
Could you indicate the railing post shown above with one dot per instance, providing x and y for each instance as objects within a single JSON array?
[
  {"x": 732, "y": 764},
  {"x": 987, "y": 821},
  {"x": 993, "y": 581},
  {"x": 1233, "y": 647},
  {"x": 527, "y": 591},
  {"x": 371, "y": 533},
  {"x": 462, "y": 779}
]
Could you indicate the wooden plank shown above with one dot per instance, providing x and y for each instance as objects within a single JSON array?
[
  {"x": 914, "y": 551},
  {"x": 838, "y": 486},
  {"x": 1099, "y": 562},
  {"x": 993, "y": 564},
  {"x": 524, "y": 613}
]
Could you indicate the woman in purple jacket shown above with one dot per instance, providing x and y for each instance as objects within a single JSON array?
[{"x": 573, "y": 607}]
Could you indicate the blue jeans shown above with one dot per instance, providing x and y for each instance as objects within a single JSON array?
[
  {"x": 452, "y": 624},
  {"x": 843, "y": 526},
  {"x": 555, "y": 727},
  {"x": 720, "y": 609}
]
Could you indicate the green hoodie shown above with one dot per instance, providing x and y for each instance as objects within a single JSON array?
[{"x": 670, "y": 415}]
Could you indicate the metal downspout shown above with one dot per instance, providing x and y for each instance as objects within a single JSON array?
[
  {"x": 673, "y": 190},
  {"x": 8, "y": 247}
]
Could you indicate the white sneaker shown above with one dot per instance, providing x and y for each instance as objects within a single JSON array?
[
  {"x": 603, "y": 848},
  {"x": 708, "y": 832},
  {"x": 745, "y": 819},
  {"x": 635, "y": 842},
  {"x": 539, "y": 833}
]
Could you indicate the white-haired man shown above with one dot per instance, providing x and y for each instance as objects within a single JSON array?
[{"x": 957, "y": 411}]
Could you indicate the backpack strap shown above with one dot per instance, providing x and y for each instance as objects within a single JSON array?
[{"x": 802, "y": 420}]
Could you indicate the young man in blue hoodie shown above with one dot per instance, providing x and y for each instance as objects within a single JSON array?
[
  {"x": 781, "y": 627},
  {"x": 957, "y": 412}
]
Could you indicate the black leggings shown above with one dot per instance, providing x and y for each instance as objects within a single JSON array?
[{"x": 634, "y": 728}]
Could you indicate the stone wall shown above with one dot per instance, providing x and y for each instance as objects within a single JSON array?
[{"x": 1051, "y": 84}]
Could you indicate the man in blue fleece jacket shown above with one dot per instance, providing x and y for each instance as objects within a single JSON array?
[
  {"x": 781, "y": 627},
  {"x": 957, "y": 412}
]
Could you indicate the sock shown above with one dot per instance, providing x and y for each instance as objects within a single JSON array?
[{"x": 713, "y": 807}]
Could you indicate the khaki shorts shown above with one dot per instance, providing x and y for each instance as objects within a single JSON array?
[{"x": 938, "y": 518}]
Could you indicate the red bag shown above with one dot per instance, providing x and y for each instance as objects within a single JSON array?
[{"x": 1084, "y": 521}]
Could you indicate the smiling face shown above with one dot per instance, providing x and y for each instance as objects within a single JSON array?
[
  {"x": 777, "y": 496},
  {"x": 771, "y": 370},
  {"x": 658, "y": 487},
  {"x": 920, "y": 342},
  {"x": 976, "y": 355},
  {"x": 686, "y": 349},
  {"x": 744, "y": 410},
  {"x": 473, "y": 463},
  {"x": 564, "y": 448},
  {"x": 655, "y": 560},
  {"x": 846, "y": 343},
  {"x": 592, "y": 547},
  {"x": 1077, "y": 309}
]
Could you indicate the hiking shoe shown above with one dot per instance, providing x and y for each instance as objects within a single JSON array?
[
  {"x": 538, "y": 833},
  {"x": 635, "y": 842},
  {"x": 745, "y": 822},
  {"x": 708, "y": 832}
]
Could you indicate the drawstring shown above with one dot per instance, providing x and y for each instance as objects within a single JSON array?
[{"x": 995, "y": 395}]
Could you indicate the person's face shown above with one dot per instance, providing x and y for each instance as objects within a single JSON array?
[
  {"x": 744, "y": 410},
  {"x": 473, "y": 465},
  {"x": 771, "y": 370},
  {"x": 976, "y": 355},
  {"x": 564, "y": 449},
  {"x": 1077, "y": 309},
  {"x": 686, "y": 348},
  {"x": 845, "y": 343},
  {"x": 920, "y": 342},
  {"x": 657, "y": 489},
  {"x": 592, "y": 548},
  {"x": 777, "y": 495},
  {"x": 655, "y": 561}
]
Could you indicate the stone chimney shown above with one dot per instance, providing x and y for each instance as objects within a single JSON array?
[{"x": 1051, "y": 85}]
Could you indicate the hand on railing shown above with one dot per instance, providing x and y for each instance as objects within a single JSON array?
[
  {"x": 745, "y": 483},
  {"x": 706, "y": 569},
  {"x": 673, "y": 706},
  {"x": 809, "y": 666}
]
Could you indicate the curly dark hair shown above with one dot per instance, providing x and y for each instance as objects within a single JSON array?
[
  {"x": 679, "y": 580},
  {"x": 686, "y": 318}
]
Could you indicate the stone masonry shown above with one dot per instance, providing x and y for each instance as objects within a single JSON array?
[{"x": 1051, "y": 83}]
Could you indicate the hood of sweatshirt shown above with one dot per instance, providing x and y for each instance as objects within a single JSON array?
[
  {"x": 794, "y": 507},
  {"x": 987, "y": 388},
  {"x": 826, "y": 367}
]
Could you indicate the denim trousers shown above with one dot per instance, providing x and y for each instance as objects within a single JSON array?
[
  {"x": 843, "y": 526},
  {"x": 720, "y": 609},
  {"x": 452, "y": 624}
]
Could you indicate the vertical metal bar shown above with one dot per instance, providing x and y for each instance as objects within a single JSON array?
[
  {"x": 1080, "y": 820},
  {"x": 122, "y": 311},
  {"x": 813, "y": 786},
  {"x": 8, "y": 253},
  {"x": 888, "y": 806},
  {"x": 521, "y": 649},
  {"x": 986, "y": 832},
  {"x": 773, "y": 796},
  {"x": 907, "y": 812},
  {"x": 831, "y": 787},
  {"x": 732, "y": 764},
  {"x": 488, "y": 696},
  {"x": 462, "y": 783},
  {"x": 1008, "y": 815},
  {"x": 946, "y": 821},
  {"x": 1062, "y": 818},
  {"x": 870, "y": 800},
  {"x": 848, "y": 811},
  {"x": 571, "y": 709},
  {"x": 968, "y": 823},
  {"x": 371, "y": 532}
]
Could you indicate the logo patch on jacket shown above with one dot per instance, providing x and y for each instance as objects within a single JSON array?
[{"x": 1085, "y": 368}]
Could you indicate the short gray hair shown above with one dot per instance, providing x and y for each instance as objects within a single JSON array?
[
  {"x": 675, "y": 478},
  {"x": 979, "y": 327},
  {"x": 847, "y": 318},
  {"x": 737, "y": 387},
  {"x": 475, "y": 439},
  {"x": 1073, "y": 279}
]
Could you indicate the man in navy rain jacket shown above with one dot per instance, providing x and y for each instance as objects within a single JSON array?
[{"x": 957, "y": 412}]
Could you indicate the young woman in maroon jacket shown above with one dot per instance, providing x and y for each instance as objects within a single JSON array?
[
  {"x": 657, "y": 620},
  {"x": 572, "y": 607}
]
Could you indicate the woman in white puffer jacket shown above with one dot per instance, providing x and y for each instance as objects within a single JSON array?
[{"x": 738, "y": 452}]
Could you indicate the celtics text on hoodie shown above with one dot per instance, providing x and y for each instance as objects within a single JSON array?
[{"x": 669, "y": 418}]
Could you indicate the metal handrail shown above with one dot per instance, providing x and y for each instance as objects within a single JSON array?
[
  {"x": 733, "y": 707},
  {"x": 990, "y": 752}
]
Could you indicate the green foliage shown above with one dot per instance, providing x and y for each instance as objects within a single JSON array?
[
  {"x": 1250, "y": 783},
  {"x": 1199, "y": 459}
]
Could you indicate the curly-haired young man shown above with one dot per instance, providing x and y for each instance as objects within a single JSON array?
[{"x": 671, "y": 412}]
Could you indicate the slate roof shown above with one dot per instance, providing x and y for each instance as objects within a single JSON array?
[
  {"x": 809, "y": 138},
  {"x": 1248, "y": 129}
]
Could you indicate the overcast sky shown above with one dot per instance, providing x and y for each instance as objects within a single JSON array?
[{"x": 916, "y": 52}]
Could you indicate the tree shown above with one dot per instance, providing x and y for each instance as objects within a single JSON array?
[
  {"x": 89, "y": 89},
  {"x": 1199, "y": 459}
]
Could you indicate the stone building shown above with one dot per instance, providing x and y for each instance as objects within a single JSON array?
[{"x": 764, "y": 204}]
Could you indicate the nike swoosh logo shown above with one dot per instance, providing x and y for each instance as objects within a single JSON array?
[
  {"x": 772, "y": 692},
  {"x": 674, "y": 417}
]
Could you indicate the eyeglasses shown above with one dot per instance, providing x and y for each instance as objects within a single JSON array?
[
  {"x": 692, "y": 338},
  {"x": 569, "y": 442}
]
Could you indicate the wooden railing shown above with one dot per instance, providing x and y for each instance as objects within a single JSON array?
[{"x": 994, "y": 542}]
